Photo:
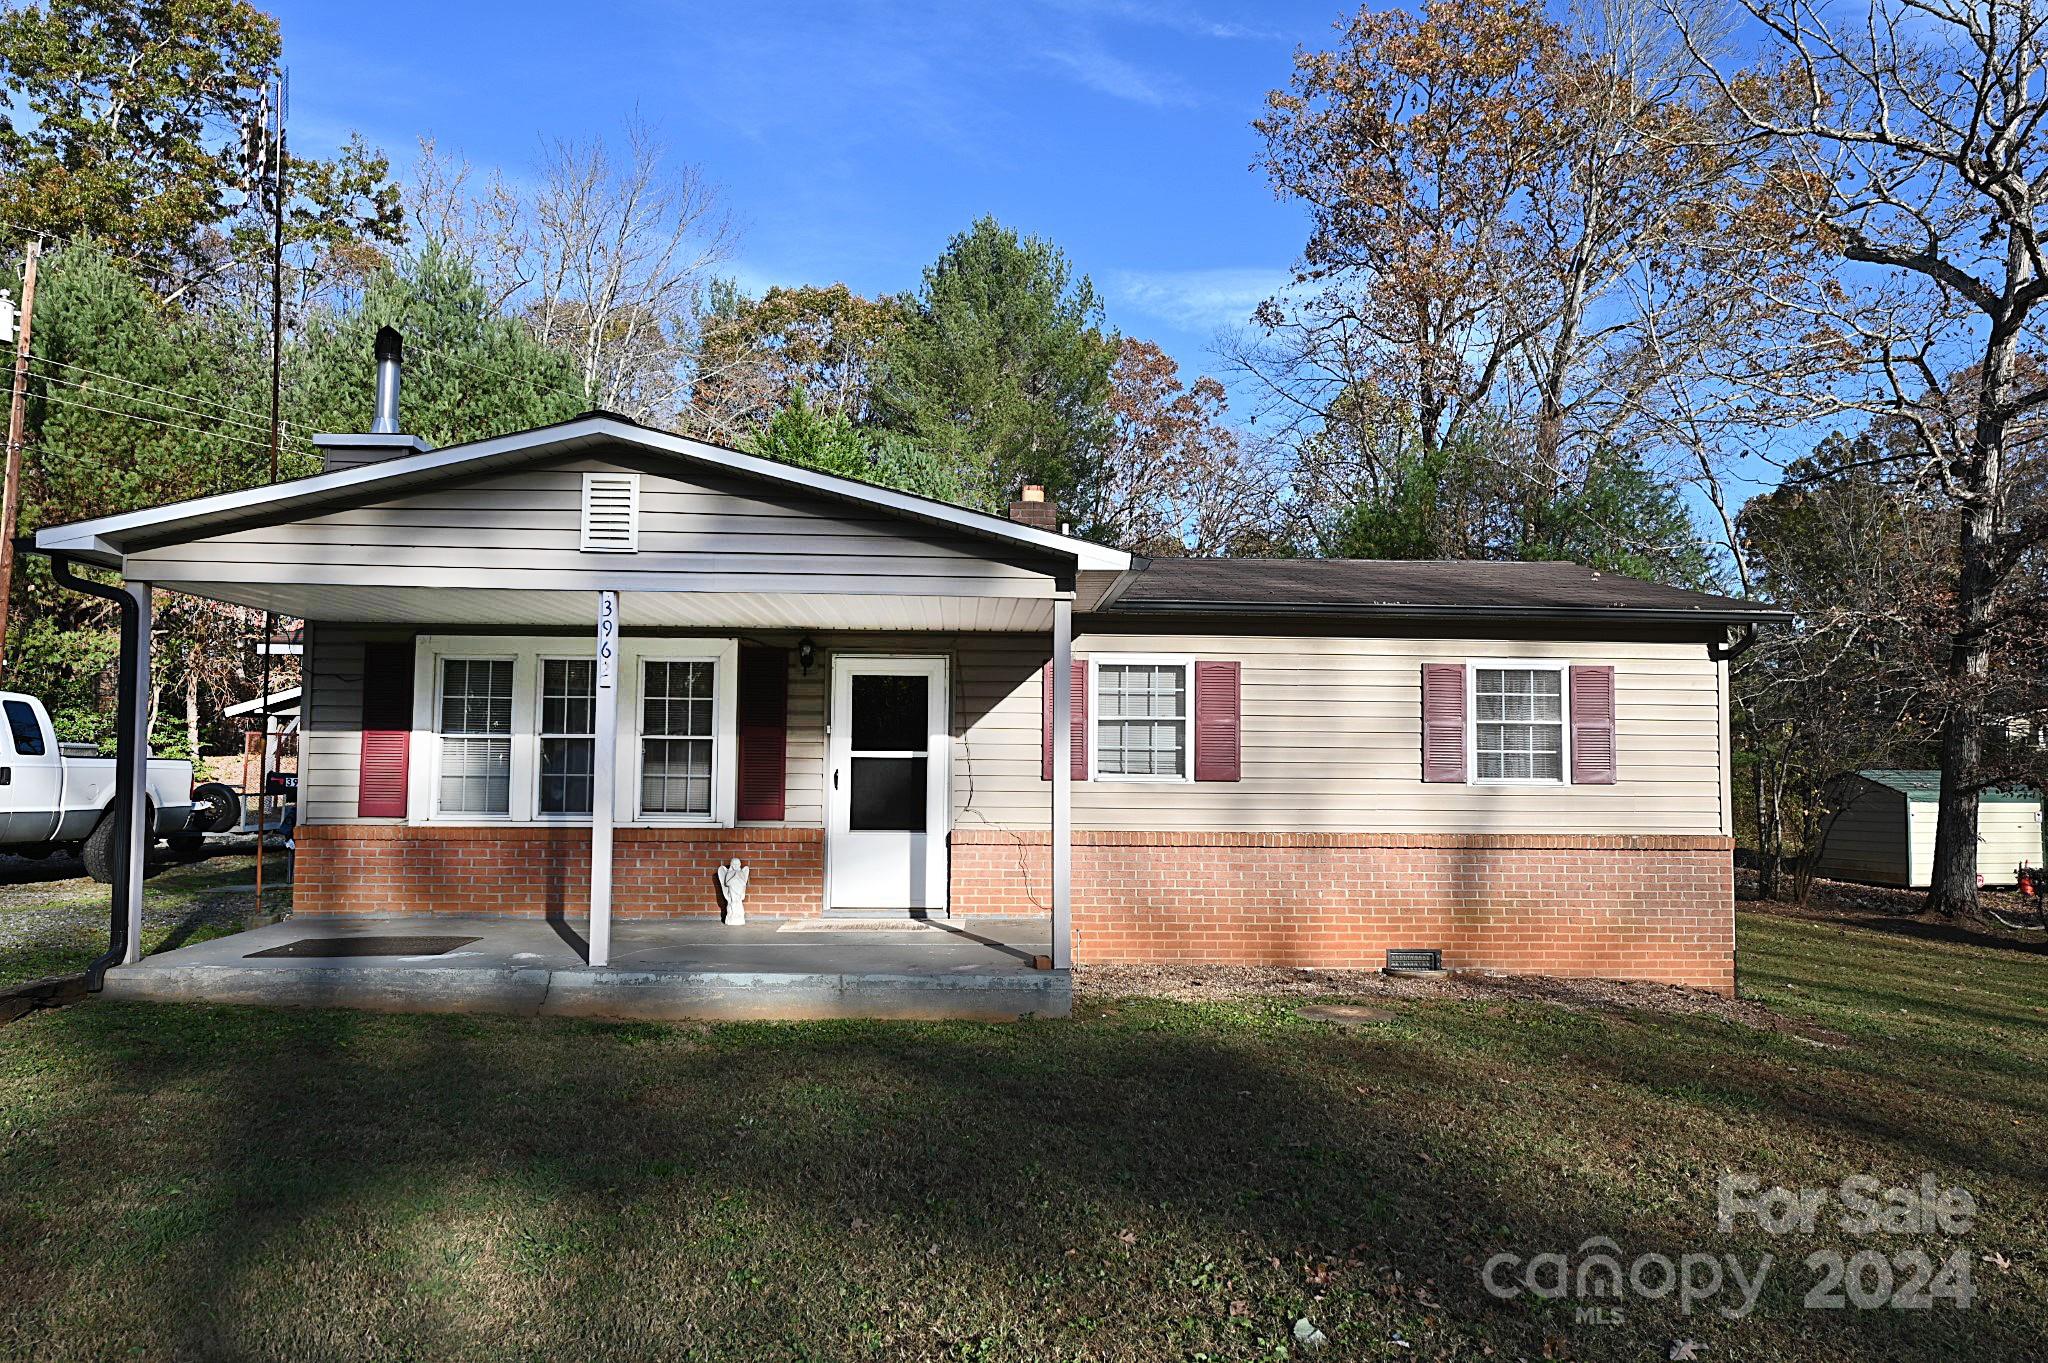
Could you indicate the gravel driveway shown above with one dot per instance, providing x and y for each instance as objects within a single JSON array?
[{"x": 53, "y": 917}]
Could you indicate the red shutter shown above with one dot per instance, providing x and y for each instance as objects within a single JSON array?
[
  {"x": 1218, "y": 727},
  {"x": 1078, "y": 703},
  {"x": 763, "y": 704},
  {"x": 1593, "y": 761},
  {"x": 381, "y": 771},
  {"x": 1443, "y": 722}
]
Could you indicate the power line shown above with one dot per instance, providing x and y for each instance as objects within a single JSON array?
[
  {"x": 162, "y": 272},
  {"x": 151, "y": 402},
  {"x": 155, "y": 421},
  {"x": 227, "y": 407}
]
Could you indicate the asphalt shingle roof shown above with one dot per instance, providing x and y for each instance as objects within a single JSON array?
[{"x": 1397, "y": 587}]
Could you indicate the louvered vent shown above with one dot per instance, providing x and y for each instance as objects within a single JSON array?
[{"x": 611, "y": 513}]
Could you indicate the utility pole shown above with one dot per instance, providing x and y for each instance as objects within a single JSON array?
[
  {"x": 17, "y": 418},
  {"x": 277, "y": 186}
]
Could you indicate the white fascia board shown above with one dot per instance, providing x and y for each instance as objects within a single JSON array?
[{"x": 102, "y": 537}]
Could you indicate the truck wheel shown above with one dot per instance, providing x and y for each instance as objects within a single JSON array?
[
  {"x": 216, "y": 808},
  {"x": 97, "y": 851}
]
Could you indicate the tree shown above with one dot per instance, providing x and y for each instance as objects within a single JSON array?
[
  {"x": 1512, "y": 222},
  {"x": 829, "y": 441},
  {"x": 1002, "y": 368},
  {"x": 1463, "y": 500},
  {"x": 470, "y": 372},
  {"x": 1175, "y": 479},
  {"x": 1860, "y": 555},
  {"x": 607, "y": 259},
  {"x": 1911, "y": 147},
  {"x": 758, "y": 355},
  {"x": 123, "y": 123},
  {"x": 133, "y": 402}
]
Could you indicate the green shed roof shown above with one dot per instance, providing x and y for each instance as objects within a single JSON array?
[{"x": 1925, "y": 786}]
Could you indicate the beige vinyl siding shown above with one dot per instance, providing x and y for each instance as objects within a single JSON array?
[
  {"x": 2008, "y": 833},
  {"x": 1332, "y": 741},
  {"x": 1332, "y": 738},
  {"x": 1866, "y": 839},
  {"x": 330, "y": 725},
  {"x": 524, "y": 530}
]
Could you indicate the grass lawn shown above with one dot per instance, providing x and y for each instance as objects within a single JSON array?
[{"x": 1149, "y": 1181}]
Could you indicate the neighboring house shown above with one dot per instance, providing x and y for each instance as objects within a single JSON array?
[
  {"x": 853, "y": 689},
  {"x": 1883, "y": 834}
]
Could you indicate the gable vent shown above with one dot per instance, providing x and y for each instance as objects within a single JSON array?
[{"x": 611, "y": 513}]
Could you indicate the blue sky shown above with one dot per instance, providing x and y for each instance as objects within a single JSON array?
[{"x": 853, "y": 138}]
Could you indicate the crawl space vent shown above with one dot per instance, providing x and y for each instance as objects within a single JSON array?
[
  {"x": 1414, "y": 958},
  {"x": 611, "y": 513}
]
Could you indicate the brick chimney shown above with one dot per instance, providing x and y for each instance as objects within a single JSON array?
[{"x": 1032, "y": 509}]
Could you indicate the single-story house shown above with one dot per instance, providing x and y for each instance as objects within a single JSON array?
[
  {"x": 1883, "y": 831},
  {"x": 576, "y": 669}
]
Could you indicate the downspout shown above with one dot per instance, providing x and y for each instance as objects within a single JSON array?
[
  {"x": 124, "y": 781},
  {"x": 1728, "y": 653}
]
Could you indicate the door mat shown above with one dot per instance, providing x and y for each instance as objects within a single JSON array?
[{"x": 365, "y": 946}]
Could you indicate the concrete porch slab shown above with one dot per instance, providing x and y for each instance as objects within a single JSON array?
[{"x": 690, "y": 969}]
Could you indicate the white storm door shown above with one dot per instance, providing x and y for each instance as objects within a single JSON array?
[{"x": 886, "y": 784}]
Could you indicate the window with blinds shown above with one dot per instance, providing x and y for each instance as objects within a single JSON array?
[
  {"x": 678, "y": 729},
  {"x": 476, "y": 736},
  {"x": 1518, "y": 723},
  {"x": 1141, "y": 725},
  {"x": 568, "y": 715}
]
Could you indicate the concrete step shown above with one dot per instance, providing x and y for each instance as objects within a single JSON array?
[{"x": 655, "y": 995}]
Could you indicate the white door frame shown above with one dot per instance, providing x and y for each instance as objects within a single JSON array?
[{"x": 938, "y": 764}]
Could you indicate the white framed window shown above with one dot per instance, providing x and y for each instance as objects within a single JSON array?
[
  {"x": 473, "y": 707},
  {"x": 506, "y": 730},
  {"x": 1520, "y": 722},
  {"x": 568, "y": 748},
  {"x": 678, "y": 736},
  {"x": 679, "y": 714},
  {"x": 1141, "y": 713}
]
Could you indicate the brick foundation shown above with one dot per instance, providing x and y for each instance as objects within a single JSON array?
[
  {"x": 1643, "y": 908},
  {"x": 660, "y": 872}
]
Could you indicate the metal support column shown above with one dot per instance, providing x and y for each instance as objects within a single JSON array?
[
  {"x": 1062, "y": 783},
  {"x": 133, "y": 752}
]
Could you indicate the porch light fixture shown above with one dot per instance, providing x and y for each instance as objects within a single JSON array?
[{"x": 806, "y": 654}]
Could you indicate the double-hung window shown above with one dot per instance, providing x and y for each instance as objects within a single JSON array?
[
  {"x": 1518, "y": 722},
  {"x": 507, "y": 726},
  {"x": 568, "y": 719},
  {"x": 475, "y": 721},
  {"x": 1142, "y": 708},
  {"x": 678, "y": 737}
]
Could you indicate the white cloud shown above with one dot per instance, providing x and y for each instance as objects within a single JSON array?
[
  {"x": 1117, "y": 78},
  {"x": 1199, "y": 299}
]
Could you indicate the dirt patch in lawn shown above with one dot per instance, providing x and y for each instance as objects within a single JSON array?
[{"x": 1200, "y": 984}]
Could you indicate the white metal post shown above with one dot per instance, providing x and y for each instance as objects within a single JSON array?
[
  {"x": 604, "y": 762},
  {"x": 134, "y": 747},
  {"x": 1062, "y": 783}
]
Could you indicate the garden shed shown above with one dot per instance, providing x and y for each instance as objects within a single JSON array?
[{"x": 1884, "y": 832}]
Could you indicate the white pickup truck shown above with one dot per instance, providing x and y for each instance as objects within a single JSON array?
[{"x": 56, "y": 795}]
